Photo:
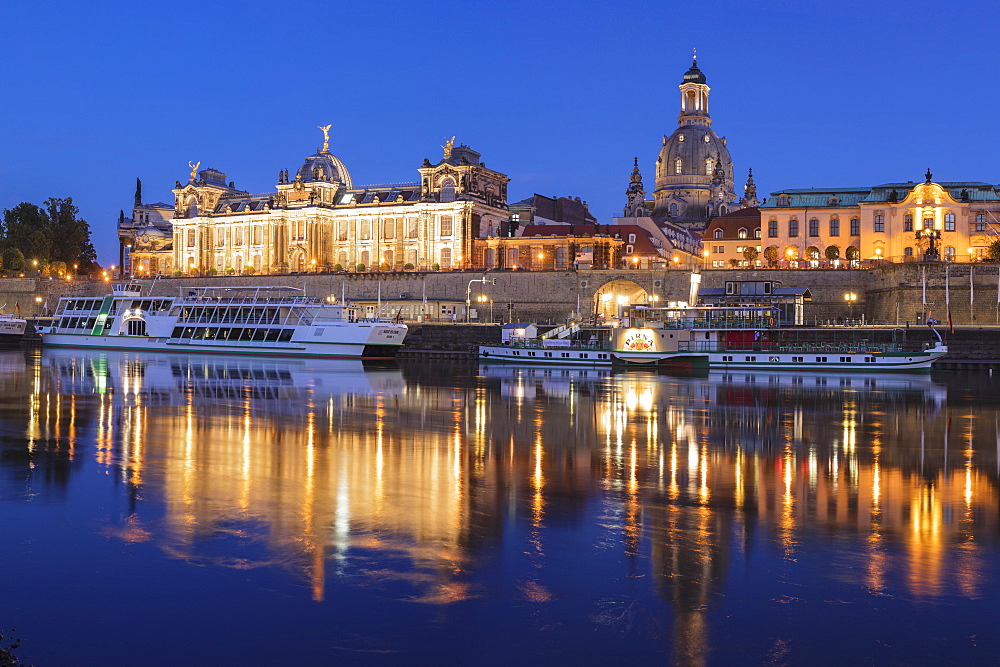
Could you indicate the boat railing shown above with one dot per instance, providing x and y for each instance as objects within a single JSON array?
[
  {"x": 535, "y": 344},
  {"x": 203, "y": 299},
  {"x": 773, "y": 346}
]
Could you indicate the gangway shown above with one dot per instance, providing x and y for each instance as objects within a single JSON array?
[{"x": 562, "y": 331}]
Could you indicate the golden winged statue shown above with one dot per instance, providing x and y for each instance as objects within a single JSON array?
[
  {"x": 326, "y": 137},
  {"x": 448, "y": 143},
  {"x": 194, "y": 168}
]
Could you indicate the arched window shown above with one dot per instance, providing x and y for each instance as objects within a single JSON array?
[
  {"x": 709, "y": 166},
  {"x": 411, "y": 257},
  {"x": 342, "y": 258},
  {"x": 490, "y": 258},
  {"x": 718, "y": 233},
  {"x": 447, "y": 190},
  {"x": 742, "y": 233},
  {"x": 192, "y": 208},
  {"x": 678, "y": 165},
  {"x": 365, "y": 255},
  {"x": 673, "y": 210},
  {"x": 512, "y": 257},
  {"x": 445, "y": 258}
]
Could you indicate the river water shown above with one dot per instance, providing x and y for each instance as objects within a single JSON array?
[{"x": 161, "y": 510}]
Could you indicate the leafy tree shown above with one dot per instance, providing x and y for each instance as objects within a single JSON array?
[
  {"x": 771, "y": 254},
  {"x": 52, "y": 233},
  {"x": 992, "y": 251},
  {"x": 750, "y": 254},
  {"x": 13, "y": 259},
  {"x": 852, "y": 254},
  {"x": 832, "y": 252},
  {"x": 57, "y": 267}
]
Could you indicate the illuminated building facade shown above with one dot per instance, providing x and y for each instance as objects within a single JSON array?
[
  {"x": 318, "y": 220},
  {"x": 899, "y": 222}
]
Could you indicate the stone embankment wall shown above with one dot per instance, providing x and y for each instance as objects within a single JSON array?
[{"x": 890, "y": 294}]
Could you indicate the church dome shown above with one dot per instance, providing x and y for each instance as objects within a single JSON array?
[
  {"x": 694, "y": 75},
  {"x": 685, "y": 155},
  {"x": 324, "y": 166}
]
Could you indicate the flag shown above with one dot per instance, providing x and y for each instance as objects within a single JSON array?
[
  {"x": 17, "y": 308},
  {"x": 951, "y": 325}
]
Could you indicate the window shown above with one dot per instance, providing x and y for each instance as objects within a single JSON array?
[
  {"x": 782, "y": 200},
  {"x": 389, "y": 228},
  {"x": 834, "y": 227},
  {"x": 190, "y": 238},
  {"x": 631, "y": 238},
  {"x": 709, "y": 166},
  {"x": 512, "y": 257},
  {"x": 908, "y": 222},
  {"x": 742, "y": 233},
  {"x": 980, "y": 227},
  {"x": 562, "y": 254},
  {"x": 793, "y": 228},
  {"x": 342, "y": 230},
  {"x": 908, "y": 251},
  {"x": 411, "y": 228},
  {"x": 949, "y": 222},
  {"x": 447, "y": 190},
  {"x": 980, "y": 217},
  {"x": 446, "y": 226},
  {"x": 772, "y": 229},
  {"x": 718, "y": 233},
  {"x": 949, "y": 253},
  {"x": 756, "y": 233},
  {"x": 678, "y": 163},
  {"x": 928, "y": 223},
  {"x": 366, "y": 231},
  {"x": 879, "y": 223},
  {"x": 445, "y": 258},
  {"x": 629, "y": 249},
  {"x": 256, "y": 235},
  {"x": 673, "y": 210},
  {"x": 719, "y": 249},
  {"x": 814, "y": 227},
  {"x": 855, "y": 227}
]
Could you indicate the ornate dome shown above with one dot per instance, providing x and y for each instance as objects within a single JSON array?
[
  {"x": 324, "y": 166},
  {"x": 694, "y": 75},
  {"x": 686, "y": 153}
]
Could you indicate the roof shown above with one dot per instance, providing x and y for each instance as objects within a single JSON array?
[
  {"x": 518, "y": 325},
  {"x": 732, "y": 223},
  {"x": 824, "y": 197},
  {"x": 567, "y": 210}
]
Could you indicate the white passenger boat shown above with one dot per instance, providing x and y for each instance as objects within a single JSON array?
[
  {"x": 277, "y": 321},
  {"x": 11, "y": 330},
  {"x": 749, "y": 338},
  {"x": 568, "y": 345}
]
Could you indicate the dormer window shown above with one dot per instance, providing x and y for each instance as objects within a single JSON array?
[
  {"x": 833, "y": 201},
  {"x": 718, "y": 233},
  {"x": 782, "y": 200},
  {"x": 743, "y": 232}
]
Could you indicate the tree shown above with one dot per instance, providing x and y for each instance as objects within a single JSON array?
[
  {"x": 832, "y": 252},
  {"x": 13, "y": 259},
  {"x": 992, "y": 251},
  {"x": 52, "y": 233},
  {"x": 852, "y": 254},
  {"x": 771, "y": 254},
  {"x": 360, "y": 267},
  {"x": 750, "y": 254}
]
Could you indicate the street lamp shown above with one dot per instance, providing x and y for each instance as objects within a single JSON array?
[
  {"x": 850, "y": 298},
  {"x": 312, "y": 263},
  {"x": 468, "y": 293},
  {"x": 34, "y": 263},
  {"x": 482, "y": 298}
]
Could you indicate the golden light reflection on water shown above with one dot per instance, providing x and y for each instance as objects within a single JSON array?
[{"x": 309, "y": 465}]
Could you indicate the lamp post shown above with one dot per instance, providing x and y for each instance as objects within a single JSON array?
[
  {"x": 312, "y": 264},
  {"x": 468, "y": 293},
  {"x": 482, "y": 298},
  {"x": 850, "y": 298},
  {"x": 38, "y": 271}
]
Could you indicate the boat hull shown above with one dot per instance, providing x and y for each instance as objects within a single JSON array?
[{"x": 878, "y": 362}]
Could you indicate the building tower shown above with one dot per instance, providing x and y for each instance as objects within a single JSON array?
[
  {"x": 694, "y": 172},
  {"x": 635, "y": 206},
  {"x": 749, "y": 193}
]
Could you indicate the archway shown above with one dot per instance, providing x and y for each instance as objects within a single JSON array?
[{"x": 612, "y": 298}]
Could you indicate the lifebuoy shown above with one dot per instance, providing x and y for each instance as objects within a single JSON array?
[{"x": 770, "y": 321}]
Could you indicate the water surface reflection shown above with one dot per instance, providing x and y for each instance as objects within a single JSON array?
[{"x": 584, "y": 513}]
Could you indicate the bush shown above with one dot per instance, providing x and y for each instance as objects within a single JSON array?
[
  {"x": 408, "y": 266},
  {"x": 338, "y": 267},
  {"x": 993, "y": 250},
  {"x": 435, "y": 266},
  {"x": 178, "y": 273},
  {"x": 230, "y": 271},
  {"x": 360, "y": 267}
]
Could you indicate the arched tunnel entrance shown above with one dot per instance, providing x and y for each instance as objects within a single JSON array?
[{"x": 611, "y": 300}]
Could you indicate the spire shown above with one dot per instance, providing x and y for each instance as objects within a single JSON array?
[
  {"x": 719, "y": 173},
  {"x": 635, "y": 206},
  {"x": 749, "y": 193},
  {"x": 138, "y": 193}
]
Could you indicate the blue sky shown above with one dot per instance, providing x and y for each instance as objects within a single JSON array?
[{"x": 560, "y": 96}]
